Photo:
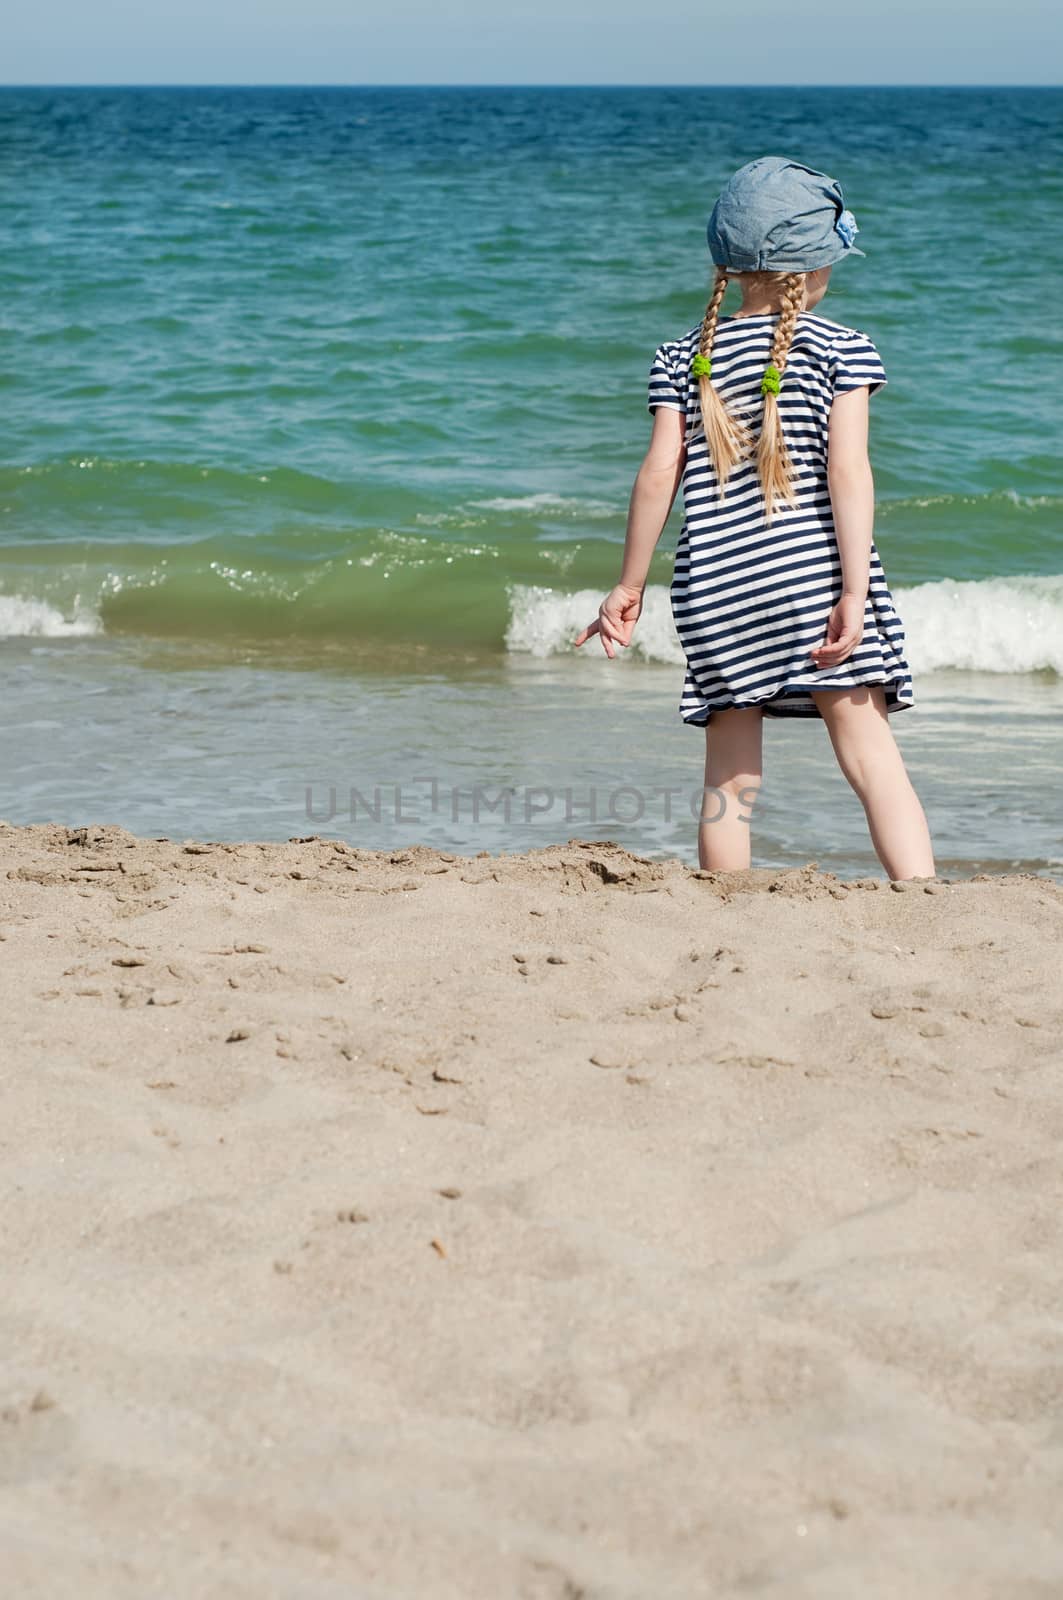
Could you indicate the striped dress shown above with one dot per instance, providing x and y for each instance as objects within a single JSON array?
[{"x": 751, "y": 599}]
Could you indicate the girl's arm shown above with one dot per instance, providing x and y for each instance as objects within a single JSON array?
[
  {"x": 852, "y": 489},
  {"x": 652, "y": 496},
  {"x": 852, "y": 498}
]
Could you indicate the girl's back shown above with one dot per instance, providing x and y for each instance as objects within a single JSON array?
[
  {"x": 748, "y": 595},
  {"x": 825, "y": 359}
]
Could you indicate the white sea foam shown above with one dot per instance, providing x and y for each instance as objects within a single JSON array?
[
  {"x": 987, "y": 625},
  {"x": 544, "y": 622},
  {"x": 557, "y": 505},
  {"x": 21, "y": 616}
]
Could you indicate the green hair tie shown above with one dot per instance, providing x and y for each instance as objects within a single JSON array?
[
  {"x": 701, "y": 367},
  {"x": 771, "y": 381}
]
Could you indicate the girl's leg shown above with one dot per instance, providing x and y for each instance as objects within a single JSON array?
[
  {"x": 733, "y": 775},
  {"x": 868, "y": 755}
]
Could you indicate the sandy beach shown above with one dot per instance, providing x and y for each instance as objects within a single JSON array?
[{"x": 561, "y": 1225}]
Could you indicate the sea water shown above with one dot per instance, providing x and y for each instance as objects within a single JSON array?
[{"x": 321, "y": 413}]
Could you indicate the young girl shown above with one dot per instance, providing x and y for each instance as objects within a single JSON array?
[{"x": 778, "y": 594}]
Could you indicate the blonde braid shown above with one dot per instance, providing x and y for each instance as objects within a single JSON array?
[
  {"x": 774, "y": 465},
  {"x": 727, "y": 438}
]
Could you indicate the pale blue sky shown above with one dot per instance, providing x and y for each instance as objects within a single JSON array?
[{"x": 532, "y": 41}]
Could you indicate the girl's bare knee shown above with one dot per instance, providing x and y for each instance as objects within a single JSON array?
[
  {"x": 859, "y": 773},
  {"x": 734, "y": 795}
]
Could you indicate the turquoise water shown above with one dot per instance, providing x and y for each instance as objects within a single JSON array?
[{"x": 341, "y": 392}]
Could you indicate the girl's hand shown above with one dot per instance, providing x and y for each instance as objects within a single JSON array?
[
  {"x": 845, "y": 629},
  {"x": 617, "y": 616}
]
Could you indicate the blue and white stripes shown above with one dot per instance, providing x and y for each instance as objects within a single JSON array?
[{"x": 751, "y": 599}]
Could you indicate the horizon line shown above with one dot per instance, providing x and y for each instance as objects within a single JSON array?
[{"x": 703, "y": 87}]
